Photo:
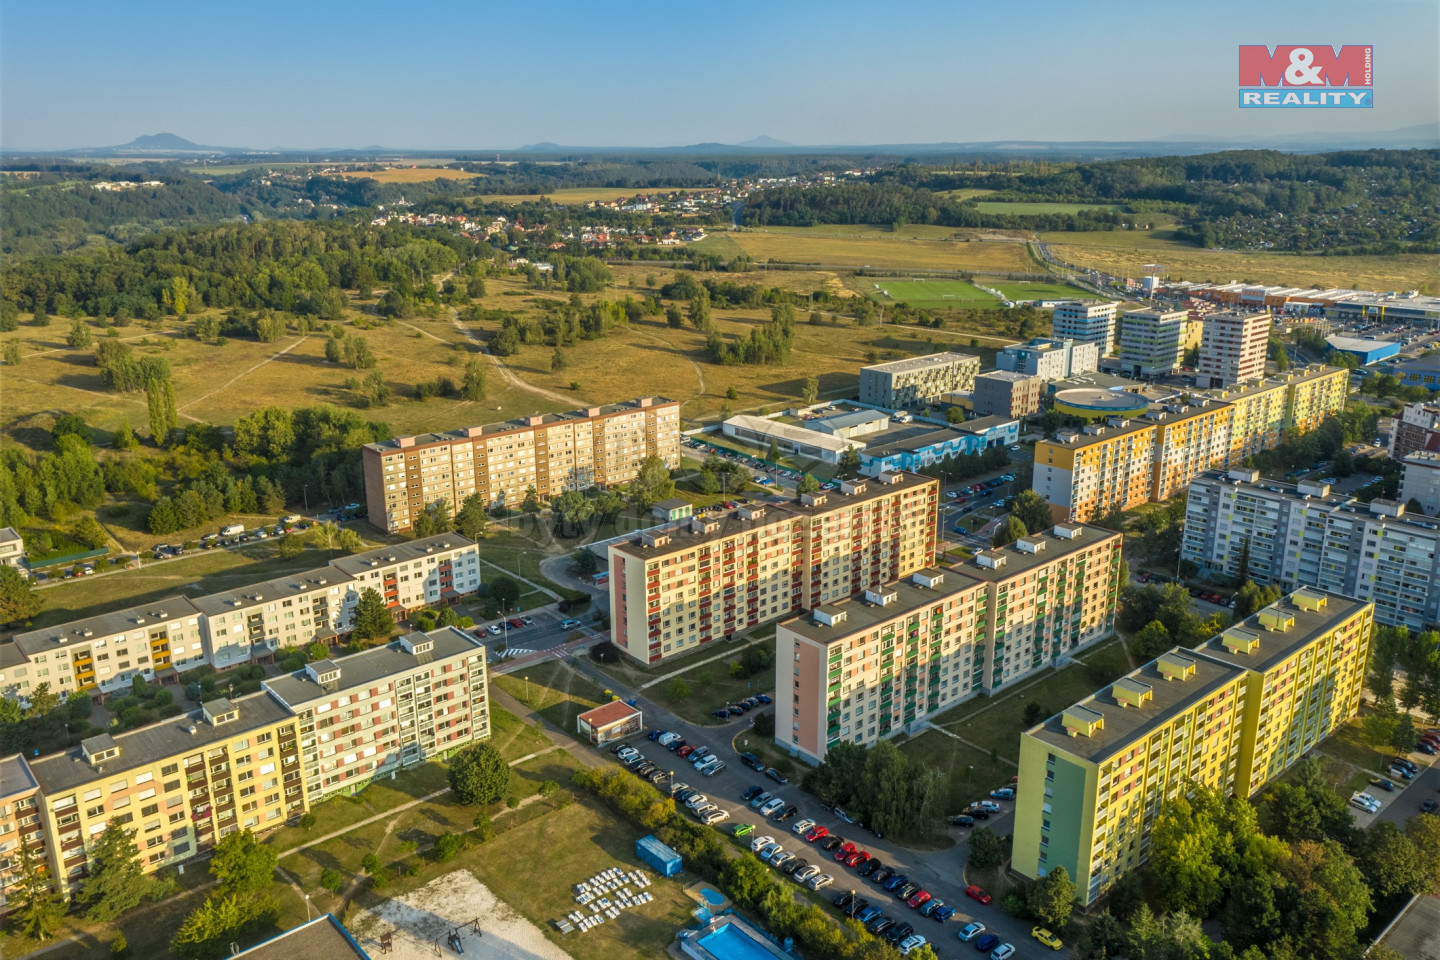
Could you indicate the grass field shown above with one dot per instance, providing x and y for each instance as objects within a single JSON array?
[
  {"x": 585, "y": 194},
  {"x": 553, "y": 690},
  {"x": 931, "y": 293},
  {"x": 1039, "y": 291},
  {"x": 1022, "y": 208},
  {"x": 710, "y": 685},
  {"x": 1123, "y": 252},
  {"x": 410, "y": 174},
  {"x": 964, "y": 193},
  {"x": 970, "y": 773},
  {"x": 881, "y": 250}
]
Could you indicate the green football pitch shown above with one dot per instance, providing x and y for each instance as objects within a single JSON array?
[{"x": 931, "y": 293}]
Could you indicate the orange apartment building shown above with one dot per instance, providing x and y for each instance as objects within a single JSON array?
[
  {"x": 20, "y": 824},
  {"x": 680, "y": 586},
  {"x": 553, "y": 452}
]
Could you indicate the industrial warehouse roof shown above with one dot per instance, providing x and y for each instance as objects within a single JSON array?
[
  {"x": 913, "y": 437},
  {"x": 1360, "y": 344},
  {"x": 789, "y": 431},
  {"x": 370, "y": 666},
  {"x": 851, "y": 418}
]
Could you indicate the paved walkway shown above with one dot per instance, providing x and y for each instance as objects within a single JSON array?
[{"x": 529, "y": 583}]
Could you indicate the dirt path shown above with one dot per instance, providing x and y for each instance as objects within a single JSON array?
[
  {"x": 244, "y": 373},
  {"x": 699, "y": 371},
  {"x": 505, "y": 372},
  {"x": 41, "y": 353}
]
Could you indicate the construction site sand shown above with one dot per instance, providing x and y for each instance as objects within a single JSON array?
[{"x": 421, "y": 917}]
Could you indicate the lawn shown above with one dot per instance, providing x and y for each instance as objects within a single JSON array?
[
  {"x": 710, "y": 685},
  {"x": 998, "y": 721},
  {"x": 1026, "y": 208},
  {"x": 554, "y": 690},
  {"x": 932, "y": 293},
  {"x": 880, "y": 250},
  {"x": 1348, "y": 744},
  {"x": 970, "y": 773},
  {"x": 1040, "y": 291}
]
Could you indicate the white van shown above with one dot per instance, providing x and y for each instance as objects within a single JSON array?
[{"x": 232, "y": 530}]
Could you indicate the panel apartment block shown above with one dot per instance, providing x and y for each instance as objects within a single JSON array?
[
  {"x": 1233, "y": 347},
  {"x": 1001, "y": 393},
  {"x": 1231, "y": 715},
  {"x": 1122, "y": 464},
  {"x": 866, "y": 667},
  {"x": 554, "y": 452},
  {"x": 249, "y": 763},
  {"x": 1302, "y": 535},
  {"x": 1050, "y": 359},
  {"x": 1152, "y": 342},
  {"x": 677, "y": 587},
  {"x": 1416, "y": 428},
  {"x": 387, "y": 707},
  {"x": 1086, "y": 321},
  {"x": 917, "y": 381}
]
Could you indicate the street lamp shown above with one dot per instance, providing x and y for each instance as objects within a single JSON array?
[
  {"x": 527, "y": 690},
  {"x": 307, "y": 906}
]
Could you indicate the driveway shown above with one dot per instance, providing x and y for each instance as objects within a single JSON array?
[{"x": 939, "y": 872}]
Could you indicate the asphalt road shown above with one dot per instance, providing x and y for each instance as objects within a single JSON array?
[
  {"x": 1405, "y": 802},
  {"x": 939, "y": 872}
]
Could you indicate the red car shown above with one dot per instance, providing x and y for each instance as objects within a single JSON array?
[
  {"x": 978, "y": 895},
  {"x": 685, "y": 751},
  {"x": 918, "y": 900},
  {"x": 856, "y": 858},
  {"x": 817, "y": 833},
  {"x": 515, "y": 623},
  {"x": 844, "y": 851}
]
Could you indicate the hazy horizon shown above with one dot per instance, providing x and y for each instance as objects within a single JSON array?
[{"x": 329, "y": 76}]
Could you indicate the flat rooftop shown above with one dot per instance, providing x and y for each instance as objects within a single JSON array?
[
  {"x": 1106, "y": 431},
  {"x": 765, "y": 427},
  {"x": 1359, "y": 343},
  {"x": 146, "y": 745},
  {"x": 985, "y": 424},
  {"x": 15, "y": 777},
  {"x": 1006, "y": 376},
  {"x": 862, "y": 615},
  {"x": 8, "y": 535},
  {"x": 465, "y": 434},
  {"x": 851, "y": 418},
  {"x": 912, "y": 437},
  {"x": 106, "y": 625},
  {"x": 323, "y": 938},
  {"x": 257, "y": 594},
  {"x": 1017, "y": 560},
  {"x": 370, "y": 666},
  {"x": 911, "y": 364},
  {"x": 1276, "y": 645},
  {"x": 1123, "y": 725},
  {"x": 400, "y": 553}
]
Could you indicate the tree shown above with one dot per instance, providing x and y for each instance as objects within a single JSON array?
[
  {"x": 349, "y": 541},
  {"x": 159, "y": 413},
  {"x": 18, "y": 599},
  {"x": 1391, "y": 863},
  {"x": 1252, "y": 597},
  {"x": 1032, "y": 511},
  {"x": 504, "y": 590},
  {"x": 372, "y": 619},
  {"x": 531, "y": 503},
  {"x": 125, "y": 437},
  {"x": 473, "y": 386},
  {"x": 986, "y": 850},
  {"x": 652, "y": 484},
  {"x": 811, "y": 391},
  {"x": 764, "y": 724},
  {"x": 447, "y": 845},
  {"x": 79, "y": 337},
  {"x": 773, "y": 453},
  {"x": 585, "y": 561},
  {"x": 242, "y": 863},
  {"x": 1381, "y": 725},
  {"x": 1012, "y": 529},
  {"x": 1053, "y": 898},
  {"x": 434, "y": 519},
  {"x": 291, "y": 546},
  {"x": 558, "y": 361},
  {"x": 479, "y": 775},
  {"x": 1423, "y": 830},
  {"x": 849, "y": 463},
  {"x": 679, "y": 690},
  {"x": 472, "y": 521},
  {"x": 807, "y": 484},
  {"x": 210, "y": 927},
  {"x": 38, "y": 910},
  {"x": 358, "y": 353},
  {"x": 1185, "y": 846},
  {"x": 837, "y": 775},
  {"x": 116, "y": 881},
  {"x": 1151, "y": 640},
  {"x": 1404, "y": 737},
  {"x": 1035, "y": 712}
]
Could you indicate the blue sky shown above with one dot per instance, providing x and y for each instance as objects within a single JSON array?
[{"x": 481, "y": 74}]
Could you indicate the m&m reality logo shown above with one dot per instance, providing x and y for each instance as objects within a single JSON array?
[{"x": 1316, "y": 75}]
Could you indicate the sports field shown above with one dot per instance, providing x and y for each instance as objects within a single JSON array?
[
  {"x": 410, "y": 174},
  {"x": 1039, "y": 291},
  {"x": 1020, "y": 208},
  {"x": 932, "y": 293}
]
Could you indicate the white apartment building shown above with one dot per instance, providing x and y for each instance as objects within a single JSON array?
[
  {"x": 1233, "y": 348},
  {"x": 1152, "y": 342},
  {"x": 1050, "y": 359},
  {"x": 1086, "y": 321},
  {"x": 12, "y": 548},
  {"x": 1421, "y": 481}
]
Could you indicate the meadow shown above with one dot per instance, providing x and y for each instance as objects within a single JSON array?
[
  {"x": 1039, "y": 291},
  {"x": 1024, "y": 208},
  {"x": 931, "y": 293},
  {"x": 410, "y": 174},
  {"x": 880, "y": 250}
]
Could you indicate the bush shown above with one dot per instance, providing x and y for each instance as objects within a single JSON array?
[
  {"x": 447, "y": 845},
  {"x": 332, "y": 879},
  {"x": 379, "y": 879},
  {"x": 479, "y": 775},
  {"x": 370, "y": 863},
  {"x": 307, "y": 821},
  {"x": 119, "y": 947},
  {"x": 413, "y": 870},
  {"x": 765, "y": 724}
]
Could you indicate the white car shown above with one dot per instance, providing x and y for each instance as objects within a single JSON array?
[
  {"x": 665, "y": 739},
  {"x": 624, "y": 755},
  {"x": 758, "y": 842},
  {"x": 771, "y": 806},
  {"x": 990, "y": 805},
  {"x": 1003, "y": 952},
  {"x": 697, "y": 801},
  {"x": 804, "y": 874},
  {"x": 715, "y": 816},
  {"x": 824, "y": 880},
  {"x": 911, "y": 942},
  {"x": 802, "y": 827},
  {"x": 701, "y": 812},
  {"x": 971, "y": 930}
]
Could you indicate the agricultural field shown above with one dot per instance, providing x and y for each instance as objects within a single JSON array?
[
  {"x": 1023, "y": 208},
  {"x": 880, "y": 250},
  {"x": 931, "y": 293},
  {"x": 410, "y": 174},
  {"x": 585, "y": 194},
  {"x": 964, "y": 193},
  {"x": 1123, "y": 252},
  {"x": 1039, "y": 291}
]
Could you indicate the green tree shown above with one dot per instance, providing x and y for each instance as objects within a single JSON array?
[
  {"x": 585, "y": 561},
  {"x": 242, "y": 864},
  {"x": 652, "y": 484},
  {"x": 1381, "y": 725},
  {"x": 358, "y": 353},
  {"x": 807, "y": 484},
  {"x": 209, "y": 929},
  {"x": 1185, "y": 847},
  {"x": 472, "y": 521},
  {"x": 447, "y": 845},
  {"x": 434, "y": 519},
  {"x": 986, "y": 851},
  {"x": 38, "y": 910},
  {"x": 1423, "y": 830},
  {"x": 79, "y": 337},
  {"x": 558, "y": 361},
  {"x": 159, "y": 416},
  {"x": 12, "y": 354},
  {"x": 372, "y": 619},
  {"x": 479, "y": 775},
  {"x": 1033, "y": 511},
  {"x": 1391, "y": 863},
  {"x": 18, "y": 599},
  {"x": 531, "y": 503},
  {"x": 116, "y": 881},
  {"x": 1053, "y": 898},
  {"x": 349, "y": 541},
  {"x": 332, "y": 879},
  {"x": 291, "y": 546},
  {"x": 773, "y": 453},
  {"x": 473, "y": 386},
  {"x": 849, "y": 463},
  {"x": 504, "y": 590},
  {"x": 125, "y": 437},
  {"x": 811, "y": 391},
  {"x": 1252, "y": 597},
  {"x": 1012, "y": 529},
  {"x": 1150, "y": 641}
]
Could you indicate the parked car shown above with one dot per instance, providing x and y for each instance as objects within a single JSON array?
[
  {"x": 771, "y": 806},
  {"x": 868, "y": 867},
  {"x": 1428, "y": 806},
  {"x": 696, "y": 801},
  {"x": 776, "y": 775},
  {"x": 802, "y": 827},
  {"x": 674, "y": 745},
  {"x": 1383, "y": 784},
  {"x": 895, "y": 882},
  {"x": 752, "y": 761},
  {"x": 941, "y": 913},
  {"x": 987, "y": 943},
  {"x": 759, "y": 843},
  {"x": 1046, "y": 937},
  {"x": 817, "y": 833},
  {"x": 619, "y": 745},
  {"x": 990, "y": 805},
  {"x": 1003, "y": 952},
  {"x": 751, "y": 793},
  {"x": 781, "y": 857},
  {"x": 714, "y": 817},
  {"x": 685, "y": 752},
  {"x": 899, "y": 932},
  {"x": 907, "y": 889},
  {"x": 842, "y": 815},
  {"x": 880, "y": 874},
  {"x": 831, "y": 842},
  {"x": 856, "y": 858},
  {"x": 845, "y": 850},
  {"x": 824, "y": 880},
  {"x": 879, "y": 924},
  {"x": 743, "y": 829},
  {"x": 760, "y": 799},
  {"x": 978, "y": 895},
  {"x": 1004, "y": 793},
  {"x": 806, "y": 874},
  {"x": 769, "y": 850},
  {"x": 912, "y": 942},
  {"x": 962, "y": 820},
  {"x": 977, "y": 813},
  {"x": 868, "y": 914},
  {"x": 787, "y": 813},
  {"x": 918, "y": 899},
  {"x": 970, "y": 931}
]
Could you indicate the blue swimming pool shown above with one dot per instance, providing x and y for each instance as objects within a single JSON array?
[
  {"x": 731, "y": 943},
  {"x": 713, "y": 897}
]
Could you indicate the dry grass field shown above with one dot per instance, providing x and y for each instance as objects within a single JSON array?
[
  {"x": 410, "y": 174},
  {"x": 880, "y": 250},
  {"x": 1122, "y": 252}
]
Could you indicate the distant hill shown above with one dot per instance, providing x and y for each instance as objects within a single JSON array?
[{"x": 763, "y": 142}]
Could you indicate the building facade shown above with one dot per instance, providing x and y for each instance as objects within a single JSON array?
[
  {"x": 675, "y": 588},
  {"x": 864, "y": 668},
  {"x": 1416, "y": 428},
  {"x": 1087, "y": 321},
  {"x": 12, "y": 548},
  {"x": 1050, "y": 359},
  {"x": 1152, "y": 342},
  {"x": 917, "y": 381},
  {"x": 1421, "y": 481},
  {"x": 1002, "y": 393},
  {"x": 1230, "y": 715},
  {"x": 591, "y": 447},
  {"x": 1121, "y": 464},
  {"x": 19, "y": 825},
  {"x": 1301, "y": 535},
  {"x": 1233, "y": 347},
  {"x": 909, "y": 449}
]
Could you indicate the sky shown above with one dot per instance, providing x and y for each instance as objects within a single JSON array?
[{"x": 480, "y": 74}]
